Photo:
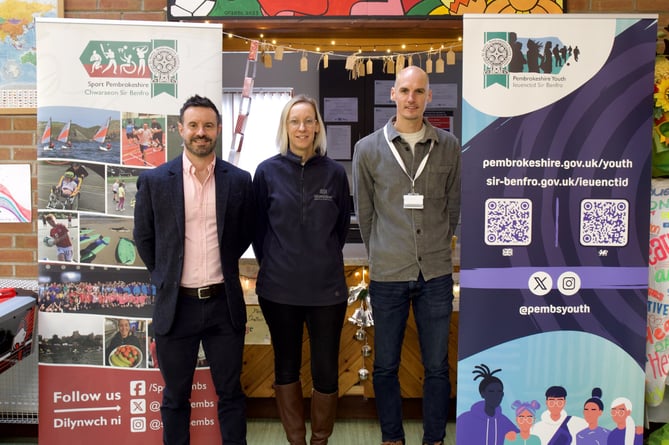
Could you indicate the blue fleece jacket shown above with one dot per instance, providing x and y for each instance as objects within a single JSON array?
[{"x": 303, "y": 218}]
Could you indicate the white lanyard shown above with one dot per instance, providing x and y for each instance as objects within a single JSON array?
[{"x": 421, "y": 166}]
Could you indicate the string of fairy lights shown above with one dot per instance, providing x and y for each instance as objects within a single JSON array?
[{"x": 359, "y": 62}]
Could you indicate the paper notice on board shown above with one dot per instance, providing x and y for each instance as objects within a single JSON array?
[
  {"x": 340, "y": 109},
  {"x": 339, "y": 141}
]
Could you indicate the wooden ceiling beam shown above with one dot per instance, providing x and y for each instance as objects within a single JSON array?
[{"x": 349, "y": 34}]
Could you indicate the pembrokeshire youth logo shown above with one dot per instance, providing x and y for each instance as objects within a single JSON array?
[
  {"x": 155, "y": 60},
  {"x": 509, "y": 58}
]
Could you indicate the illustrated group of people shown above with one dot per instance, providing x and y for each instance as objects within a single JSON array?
[
  {"x": 485, "y": 423},
  {"x": 197, "y": 214}
]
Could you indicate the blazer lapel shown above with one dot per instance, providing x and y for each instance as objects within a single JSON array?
[
  {"x": 222, "y": 193},
  {"x": 176, "y": 195}
]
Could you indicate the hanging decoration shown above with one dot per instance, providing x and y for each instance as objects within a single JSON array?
[
  {"x": 399, "y": 64},
  {"x": 355, "y": 63},
  {"x": 439, "y": 66},
  {"x": 278, "y": 53},
  {"x": 245, "y": 105},
  {"x": 304, "y": 62},
  {"x": 450, "y": 57},
  {"x": 266, "y": 57},
  {"x": 390, "y": 65},
  {"x": 363, "y": 319}
]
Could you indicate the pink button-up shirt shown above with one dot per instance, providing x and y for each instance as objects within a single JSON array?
[{"x": 202, "y": 258}]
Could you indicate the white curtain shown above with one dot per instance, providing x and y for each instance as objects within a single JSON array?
[{"x": 261, "y": 125}]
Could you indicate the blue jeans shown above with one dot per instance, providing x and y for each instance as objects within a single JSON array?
[{"x": 432, "y": 303}]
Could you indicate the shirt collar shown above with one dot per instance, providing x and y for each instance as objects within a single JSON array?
[
  {"x": 189, "y": 168},
  {"x": 429, "y": 136}
]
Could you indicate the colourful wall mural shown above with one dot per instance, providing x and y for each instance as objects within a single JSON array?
[{"x": 226, "y": 9}]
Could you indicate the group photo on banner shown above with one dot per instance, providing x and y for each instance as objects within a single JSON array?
[
  {"x": 554, "y": 269},
  {"x": 108, "y": 110}
]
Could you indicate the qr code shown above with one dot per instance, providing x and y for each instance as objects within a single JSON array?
[
  {"x": 604, "y": 222},
  {"x": 508, "y": 222}
]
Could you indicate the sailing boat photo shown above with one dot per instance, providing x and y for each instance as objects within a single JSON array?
[
  {"x": 101, "y": 135},
  {"x": 64, "y": 136},
  {"x": 45, "y": 141}
]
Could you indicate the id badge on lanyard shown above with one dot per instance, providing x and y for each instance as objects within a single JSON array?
[{"x": 412, "y": 200}]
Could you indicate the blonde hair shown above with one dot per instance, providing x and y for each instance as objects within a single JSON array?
[{"x": 320, "y": 141}]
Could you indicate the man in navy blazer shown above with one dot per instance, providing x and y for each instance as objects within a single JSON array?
[{"x": 194, "y": 218}]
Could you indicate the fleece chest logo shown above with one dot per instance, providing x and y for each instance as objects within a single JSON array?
[
  {"x": 322, "y": 195},
  {"x": 156, "y": 61}
]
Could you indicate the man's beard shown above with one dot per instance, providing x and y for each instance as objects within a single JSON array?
[{"x": 201, "y": 151}]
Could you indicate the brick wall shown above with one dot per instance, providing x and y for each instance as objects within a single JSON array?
[{"x": 18, "y": 138}]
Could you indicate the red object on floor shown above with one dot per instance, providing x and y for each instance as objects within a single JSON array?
[{"x": 7, "y": 293}]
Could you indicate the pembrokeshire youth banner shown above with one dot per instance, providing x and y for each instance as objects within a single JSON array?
[
  {"x": 557, "y": 115},
  {"x": 109, "y": 96}
]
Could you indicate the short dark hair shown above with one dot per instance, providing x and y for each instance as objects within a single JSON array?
[
  {"x": 556, "y": 391},
  {"x": 199, "y": 101}
]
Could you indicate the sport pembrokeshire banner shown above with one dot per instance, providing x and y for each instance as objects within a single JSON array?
[
  {"x": 109, "y": 95},
  {"x": 557, "y": 124}
]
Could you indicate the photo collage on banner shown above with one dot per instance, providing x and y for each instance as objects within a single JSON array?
[
  {"x": 109, "y": 96},
  {"x": 554, "y": 267}
]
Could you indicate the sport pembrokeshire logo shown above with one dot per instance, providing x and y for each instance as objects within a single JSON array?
[
  {"x": 157, "y": 61},
  {"x": 509, "y": 58}
]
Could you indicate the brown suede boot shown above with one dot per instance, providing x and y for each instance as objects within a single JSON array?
[
  {"x": 323, "y": 413},
  {"x": 290, "y": 403}
]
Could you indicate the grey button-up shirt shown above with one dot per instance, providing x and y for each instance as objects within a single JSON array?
[{"x": 401, "y": 242}]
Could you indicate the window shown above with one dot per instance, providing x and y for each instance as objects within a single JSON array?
[{"x": 264, "y": 112}]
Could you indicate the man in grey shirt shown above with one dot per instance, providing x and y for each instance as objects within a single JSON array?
[{"x": 406, "y": 184}]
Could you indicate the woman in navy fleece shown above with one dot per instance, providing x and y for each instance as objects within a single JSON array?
[{"x": 303, "y": 216}]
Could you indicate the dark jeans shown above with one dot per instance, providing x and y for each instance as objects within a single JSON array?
[
  {"x": 432, "y": 303},
  {"x": 207, "y": 321},
  {"x": 286, "y": 326}
]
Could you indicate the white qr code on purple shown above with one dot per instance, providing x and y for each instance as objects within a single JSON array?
[
  {"x": 508, "y": 222},
  {"x": 604, "y": 222}
]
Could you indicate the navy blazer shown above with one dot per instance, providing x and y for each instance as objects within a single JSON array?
[{"x": 160, "y": 227}]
